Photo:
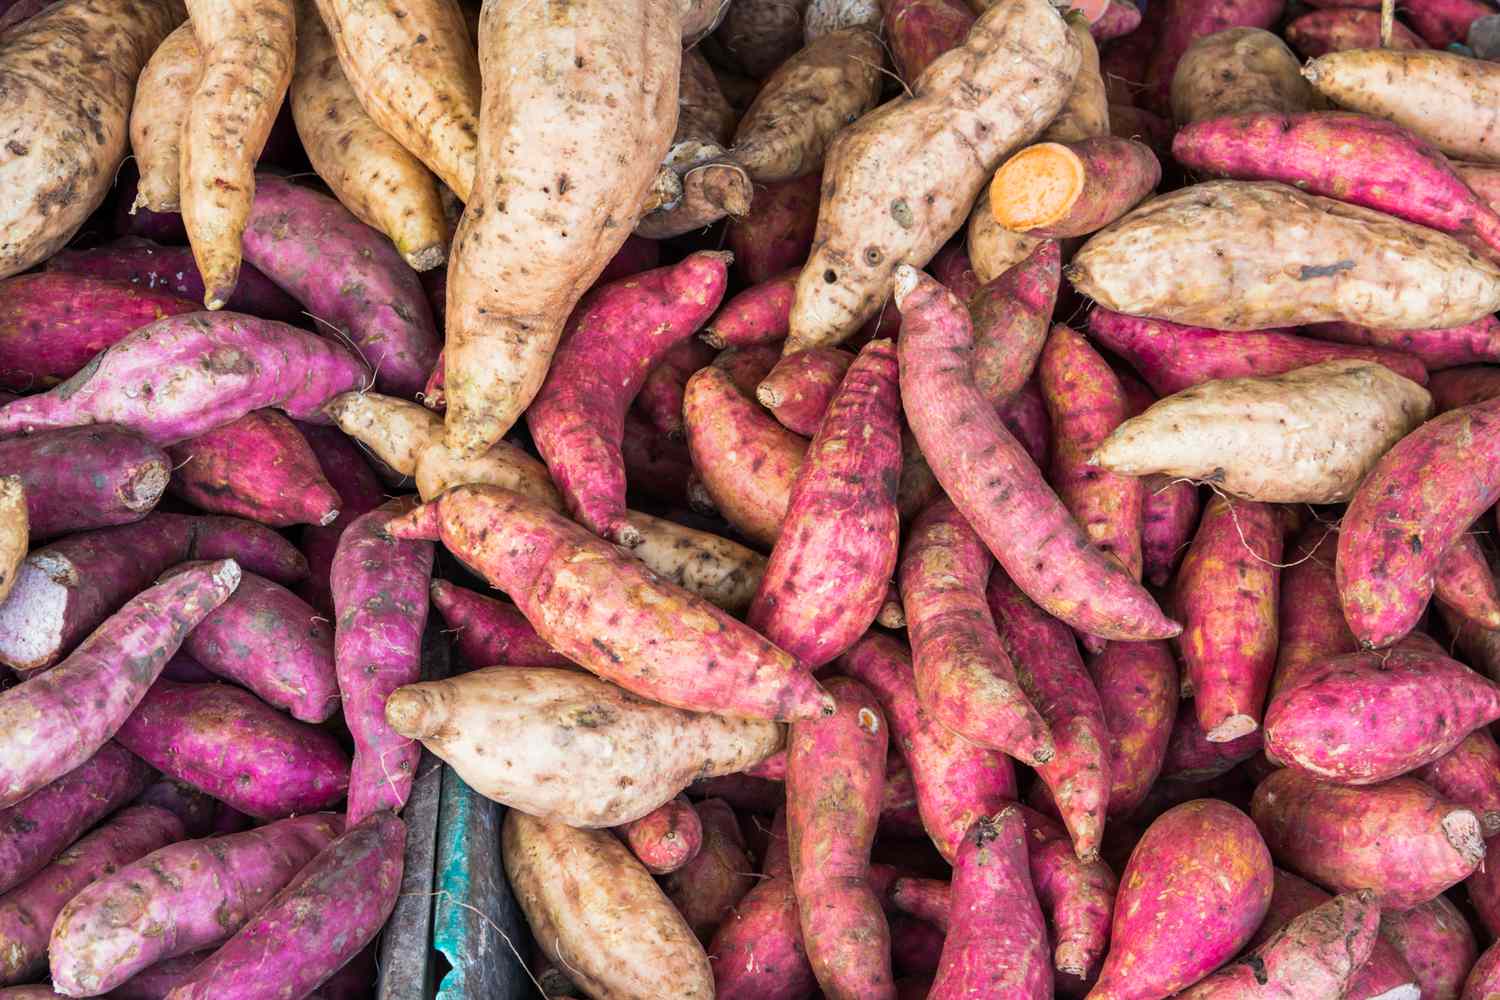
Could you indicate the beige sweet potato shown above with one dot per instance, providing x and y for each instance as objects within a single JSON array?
[
  {"x": 1262, "y": 255},
  {"x": 156, "y": 119},
  {"x": 723, "y": 572},
  {"x": 1086, "y": 113},
  {"x": 993, "y": 249},
  {"x": 1308, "y": 436},
  {"x": 14, "y": 528},
  {"x": 1235, "y": 72}
]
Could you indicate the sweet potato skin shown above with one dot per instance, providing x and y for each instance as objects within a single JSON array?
[
  {"x": 1235, "y": 72},
  {"x": 1484, "y": 979},
  {"x": 798, "y": 391},
  {"x": 758, "y": 952},
  {"x": 722, "y": 572},
  {"x": 1436, "y": 942},
  {"x": 667, "y": 837},
  {"x": 660, "y": 397},
  {"x": 1436, "y": 349},
  {"x": 777, "y": 233},
  {"x": 1311, "y": 626},
  {"x": 1138, "y": 688},
  {"x": 257, "y": 467},
  {"x": 1011, "y": 316},
  {"x": 1469, "y": 774},
  {"x": 1184, "y": 22},
  {"x": 490, "y": 632},
  {"x": 758, "y": 315},
  {"x": 156, "y": 118},
  {"x": 1320, "y": 32},
  {"x": 921, "y": 30},
  {"x": 78, "y": 478},
  {"x": 708, "y": 888}
]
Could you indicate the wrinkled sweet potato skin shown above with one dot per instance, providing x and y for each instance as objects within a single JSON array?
[{"x": 258, "y": 467}]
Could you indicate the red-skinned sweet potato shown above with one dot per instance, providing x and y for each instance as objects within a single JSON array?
[
  {"x": 655, "y": 464},
  {"x": 1169, "y": 507},
  {"x": 1341, "y": 28},
  {"x": 660, "y": 398},
  {"x": 798, "y": 391},
  {"x": 1465, "y": 584},
  {"x": 777, "y": 233},
  {"x": 163, "y": 977},
  {"x": 1059, "y": 190},
  {"x": 1469, "y": 774},
  {"x": 755, "y": 316},
  {"x": 1010, "y": 317},
  {"x": 344, "y": 465},
  {"x": 490, "y": 632},
  {"x": 1442, "y": 23},
  {"x": 1310, "y": 623},
  {"x": 1478, "y": 341},
  {"x": 1483, "y": 982},
  {"x": 1192, "y": 757},
  {"x": 1184, "y": 22},
  {"x": 258, "y": 467},
  {"x": 707, "y": 888},
  {"x": 1437, "y": 942},
  {"x": 78, "y": 478},
  {"x": 667, "y": 837},
  {"x": 918, "y": 31},
  {"x": 1137, "y": 686}
]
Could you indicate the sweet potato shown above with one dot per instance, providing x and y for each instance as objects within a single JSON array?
[
  {"x": 177, "y": 900},
  {"x": 996, "y": 486},
  {"x": 1117, "y": 19},
  {"x": 1469, "y": 774},
  {"x": 1238, "y": 71},
  {"x": 156, "y": 118},
  {"x": 1086, "y": 112},
  {"x": 612, "y": 342},
  {"x": 226, "y": 742},
  {"x": 258, "y": 467},
  {"x": 1185, "y": 21},
  {"x": 993, "y": 248},
  {"x": 757, "y": 952},
  {"x": 490, "y": 632},
  {"x": 1466, "y": 585},
  {"x": 667, "y": 837},
  {"x": 1169, "y": 519},
  {"x": 660, "y": 398},
  {"x": 918, "y": 31},
  {"x": 503, "y": 465},
  {"x": 1436, "y": 942},
  {"x": 196, "y": 809},
  {"x": 707, "y": 888},
  {"x": 324, "y": 916},
  {"x": 28, "y": 911},
  {"x": 776, "y": 235},
  {"x": 1436, "y": 349},
  {"x": 1010, "y": 316},
  {"x": 77, "y": 478},
  {"x": 1335, "y": 835},
  {"x": 1386, "y": 577},
  {"x": 1464, "y": 386},
  {"x": 247, "y": 53},
  {"x": 756, "y": 316},
  {"x": 511, "y": 281},
  {"x": 1199, "y": 857},
  {"x": 1338, "y": 29},
  {"x": 1137, "y": 687},
  {"x": 369, "y": 171},
  {"x": 1311, "y": 626},
  {"x": 798, "y": 392},
  {"x": 1441, "y": 23},
  {"x": 596, "y": 911},
  {"x": 1057, "y": 190},
  {"x": 722, "y": 572},
  {"x": 656, "y": 465},
  {"x": 1483, "y": 982},
  {"x": 72, "y": 71}
]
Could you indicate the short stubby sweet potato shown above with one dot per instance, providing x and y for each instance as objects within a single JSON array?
[
  {"x": 1238, "y": 71},
  {"x": 78, "y": 478},
  {"x": 1339, "y": 28},
  {"x": 707, "y": 889},
  {"x": 799, "y": 390},
  {"x": 1183, "y": 22},
  {"x": 489, "y": 632},
  {"x": 722, "y": 572},
  {"x": 1058, "y": 190},
  {"x": 667, "y": 837},
  {"x": 258, "y": 467}
]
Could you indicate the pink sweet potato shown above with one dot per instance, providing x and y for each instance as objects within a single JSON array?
[
  {"x": 660, "y": 398},
  {"x": 1437, "y": 942},
  {"x": 51, "y": 324},
  {"x": 655, "y": 464},
  {"x": 957, "y": 781},
  {"x": 1077, "y": 896},
  {"x": 1169, "y": 507},
  {"x": 196, "y": 809},
  {"x": 1052, "y": 675},
  {"x": 1311, "y": 624},
  {"x": 709, "y": 886},
  {"x": 1436, "y": 349},
  {"x": 1192, "y": 757},
  {"x": 996, "y": 943},
  {"x": 359, "y": 491},
  {"x": 1172, "y": 357},
  {"x": 177, "y": 900},
  {"x": 490, "y": 632},
  {"x": 757, "y": 315},
  {"x": 1339, "y": 29},
  {"x": 1464, "y": 386},
  {"x": 1339, "y": 836},
  {"x": 798, "y": 391},
  {"x": 605, "y": 611},
  {"x": 1443, "y": 22},
  {"x": 163, "y": 977},
  {"x": 28, "y": 911},
  {"x": 1197, "y": 858},
  {"x": 618, "y": 334},
  {"x": 1025, "y": 416},
  {"x": 1137, "y": 686},
  {"x": 1058, "y": 190},
  {"x": 226, "y": 742},
  {"x": 77, "y": 478},
  {"x": 1466, "y": 585},
  {"x": 181, "y": 376},
  {"x": 65, "y": 590},
  {"x": 1226, "y": 594},
  {"x": 1119, "y": 18},
  {"x": 55, "y": 722},
  {"x": 325, "y": 916},
  {"x": 348, "y": 276},
  {"x": 1483, "y": 982},
  {"x": 1386, "y": 575},
  {"x": 997, "y": 487},
  {"x": 964, "y": 676},
  {"x": 918, "y": 31},
  {"x": 1469, "y": 775},
  {"x": 380, "y": 587},
  {"x": 840, "y": 534},
  {"x": 1184, "y": 22},
  {"x": 667, "y": 837},
  {"x": 777, "y": 233},
  {"x": 1010, "y": 317},
  {"x": 835, "y": 767},
  {"x": 258, "y": 467}
]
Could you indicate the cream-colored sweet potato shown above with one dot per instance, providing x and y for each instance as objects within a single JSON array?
[
  {"x": 1308, "y": 436},
  {"x": 722, "y": 572},
  {"x": 993, "y": 249},
  {"x": 503, "y": 465},
  {"x": 1086, "y": 113},
  {"x": 1235, "y": 72},
  {"x": 14, "y": 526},
  {"x": 156, "y": 119},
  {"x": 397, "y": 431},
  {"x": 1254, "y": 255}
]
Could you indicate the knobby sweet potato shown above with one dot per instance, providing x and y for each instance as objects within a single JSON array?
[
  {"x": 258, "y": 467},
  {"x": 156, "y": 118},
  {"x": 1058, "y": 190},
  {"x": 1238, "y": 71}
]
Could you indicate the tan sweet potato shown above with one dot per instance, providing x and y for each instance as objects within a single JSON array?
[
  {"x": 14, "y": 531},
  {"x": 993, "y": 249},
  {"x": 156, "y": 119},
  {"x": 721, "y": 571},
  {"x": 1235, "y": 72},
  {"x": 1086, "y": 113}
]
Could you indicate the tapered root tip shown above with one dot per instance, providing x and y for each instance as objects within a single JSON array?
[
  {"x": 1232, "y": 728},
  {"x": 411, "y": 712},
  {"x": 426, "y": 258},
  {"x": 906, "y": 282}
]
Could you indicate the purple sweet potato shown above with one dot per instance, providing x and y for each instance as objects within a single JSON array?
[
  {"x": 707, "y": 888},
  {"x": 490, "y": 632},
  {"x": 1339, "y": 836},
  {"x": 996, "y": 943},
  {"x": 918, "y": 31},
  {"x": 778, "y": 231},
  {"x": 52, "y": 324},
  {"x": 1339, "y": 29},
  {"x": 1394, "y": 534},
  {"x": 1059, "y": 190},
  {"x": 226, "y": 742},
  {"x": 348, "y": 276},
  {"x": 840, "y": 534},
  {"x": 380, "y": 588},
  {"x": 184, "y": 375},
  {"x": 756, "y": 316},
  {"x": 1452, "y": 347},
  {"x": 1466, "y": 585},
  {"x": 1437, "y": 942},
  {"x": 957, "y": 781},
  {"x": 612, "y": 342},
  {"x": 1052, "y": 675},
  {"x": 1442, "y": 23},
  {"x": 667, "y": 837},
  {"x": 605, "y": 611},
  {"x": 1197, "y": 858},
  {"x": 28, "y": 911},
  {"x": 1137, "y": 686},
  {"x": 65, "y": 590},
  {"x": 78, "y": 478},
  {"x": 163, "y": 977},
  {"x": 1469, "y": 775},
  {"x": 1192, "y": 757},
  {"x": 177, "y": 900},
  {"x": 1010, "y": 317},
  {"x": 1119, "y": 18},
  {"x": 835, "y": 771},
  {"x": 798, "y": 391},
  {"x": 1184, "y": 22},
  {"x": 964, "y": 676},
  {"x": 55, "y": 722},
  {"x": 309, "y": 930},
  {"x": 194, "y": 808},
  {"x": 258, "y": 467},
  {"x": 1311, "y": 624},
  {"x": 997, "y": 487},
  {"x": 359, "y": 490},
  {"x": 660, "y": 398}
]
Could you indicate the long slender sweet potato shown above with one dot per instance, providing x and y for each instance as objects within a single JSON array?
[
  {"x": 996, "y": 486},
  {"x": 1334, "y": 835},
  {"x": 1436, "y": 942},
  {"x": 258, "y": 467},
  {"x": 667, "y": 837},
  {"x": 1320, "y": 32},
  {"x": 77, "y": 478},
  {"x": 660, "y": 398},
  {"x": 1310, "y": 622},
  {"x": 1469, "y": 774},
  {"x": 708, "y": 888},
  {"x": 1058, "y": 190},
  {"x": 1238, "y": 71},
  {"x": 777, "y": 233},
  {"x": 1138, "y": 687},
  {"x": 71, "y": 73},
  {"x": 490, "y": 632},
  {"x": 176, "y": 900},
  {"x": 1185, "y": 21},
  {"x": 1436, "y": 349},
  {"x": 156, "y": 118}
]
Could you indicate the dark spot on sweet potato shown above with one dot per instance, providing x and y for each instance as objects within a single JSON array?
[
  {"x": 1325, "y": 270},
  {"x": 17, "y": 148}
]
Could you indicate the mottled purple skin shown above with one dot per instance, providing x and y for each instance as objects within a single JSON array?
[
  {"x": 1172, "y": 357},
  {"x": 258, "y": 467},
  {"x": 757, "y": 952},
  {"x": 28, "y": 911},
  {"x": 65, "y": 590},
  {"x": 226, "y": 742},
  {"x": 1465, "y": 583},
  {"x": 1483, "y": 982},
  {"x": 841, "y": 533},
  {"x": 380, "y": 608},
  {"x": 269, "y": 640},
  {"x": 489, "y": 632},
  {"x": 194, "y": 808},
  {"x": 1342, "y": 28},
  {"x": 918, "y": 31},
  {"x": 1474, "y": 342},
  {"x": 1191, "y": 757},
  {"x": 1437, "y": 942},
  {"x": 964, "y": 675},
  {"x": 36, "y": 829},
  {"x": 1339, "y": 836},
  {"x": 178, "y": 900},
  {"x": 706, "y": 889},
  {"x": 1120, "y": 18},
  {"x": 1408, "y": 512},
  {"x": 798, "y": 391},
  {"x": 309, "y": 930},
  {"x": 57, "y": 721},
  {"x": 761, "y": 314},
  {"x": 1441, "y": 23},
  {"x": 359, "y": 490},
  {"x": 348, "y": 276},
  {"x": 778, "y": 232},
  {"x": 1183, "y": 23},
  {"x": 79, "y": 478},
  {"x": 1469, "y": 774},
  {"x": 996, "y": 943},
  {"x": 184, "y": 375},
  {"x": 957, "y": 781},
  {"x": 1198, "y": 858},
  {"x": 1465, "y": 386},
  {"x": 666, "y": 838},
  {"x": 1051, "y": 673},
  {"x": 615, "y": 337},
  {"x": 1011, "y": 316},
  {"x": 52, "y": 324},
  {"x": 172, "y": 270},
  {"x": 660, "y": 398},
  {"x": 995, "y": 484},
  {"x": 163, "y": 977},
  {"x": 1138, "y": 691}
]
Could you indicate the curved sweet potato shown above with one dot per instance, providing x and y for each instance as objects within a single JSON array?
[
  {"x": 156, "y": 118},
  {"x": 667, "y": 837},
  {"x": 258, "y": 467}
]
